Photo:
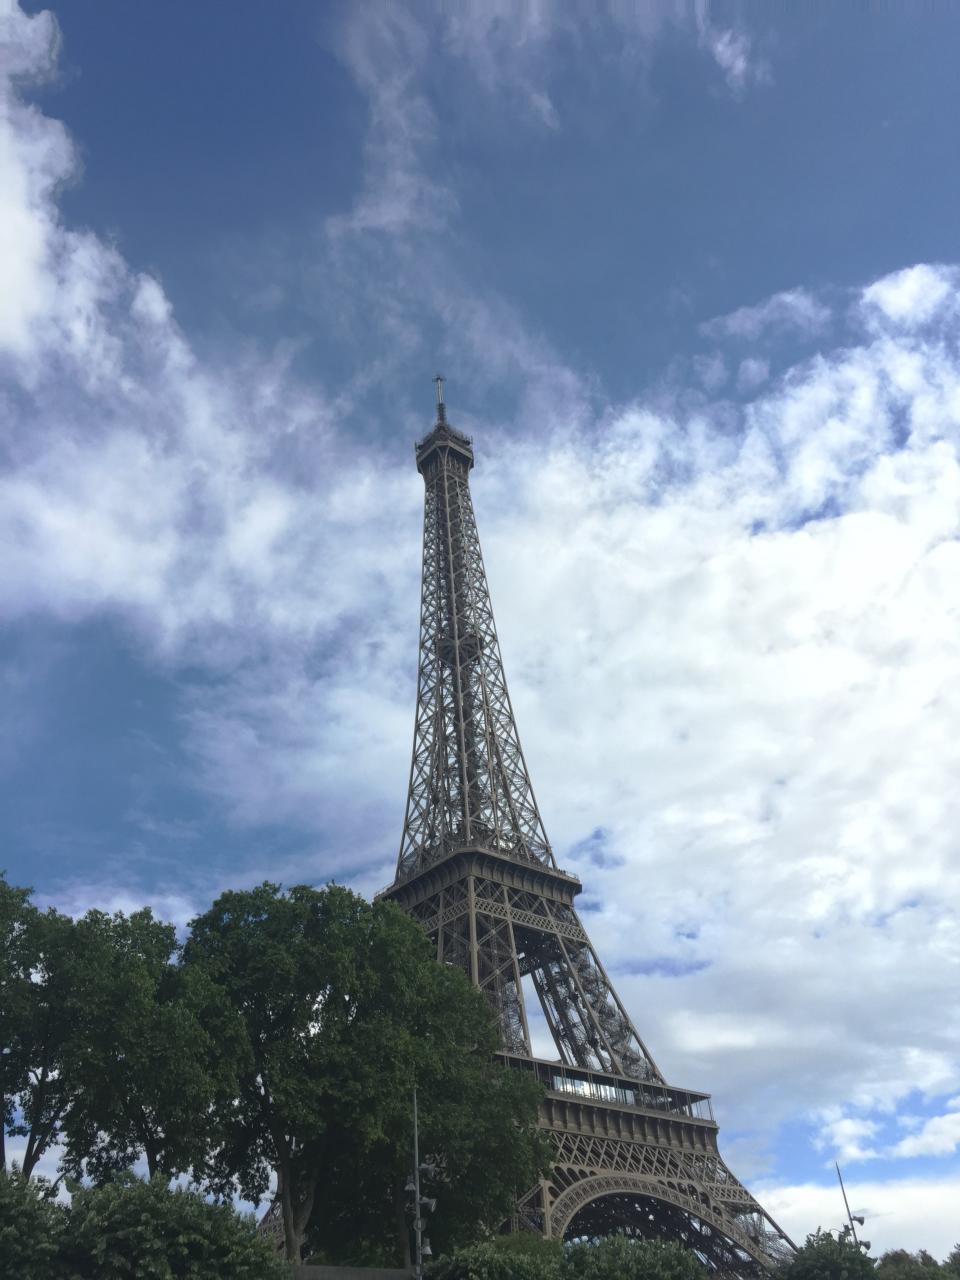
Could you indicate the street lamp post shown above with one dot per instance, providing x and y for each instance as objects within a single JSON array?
[
  {"x": 421, "y": 1248},
  {"x": 417, "y": 1220}
]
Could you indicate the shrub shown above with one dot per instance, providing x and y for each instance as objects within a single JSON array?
[
  {"x": 31, "y": 1226},
  {"x": 495, "y": 1261},
  {"x": 621, "y": 1258},
  {"x": 526, "y": 1257},
  {"x": 130, "y": 1228},
  {"x": 824, "y": 1257}
]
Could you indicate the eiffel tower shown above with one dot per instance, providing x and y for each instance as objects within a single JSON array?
[{"x": 632, "y": 1153}]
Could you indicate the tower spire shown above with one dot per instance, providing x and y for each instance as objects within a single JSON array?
[{"x": 441, "y": 407}]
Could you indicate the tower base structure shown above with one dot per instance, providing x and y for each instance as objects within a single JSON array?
[
  {"x": 633, "y": 1156},
  {"x": 621, "y": 1167}
]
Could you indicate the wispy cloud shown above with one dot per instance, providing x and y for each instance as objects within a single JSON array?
[
  {"x": 733, "y": 50},
  {"x": 796, "y": 310}
]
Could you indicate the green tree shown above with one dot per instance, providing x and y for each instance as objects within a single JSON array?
[
  {"x": 133, "y": 1228},
  {"x": 478, "y": 1138},
  {"x": 622, "y": 1258},
  {"x": 155, "y": 1046},
  {"x": 899, "y": 1264},
  {"x": 952, "y": 1263},
  {"x": 15, "y": 963},
  {"x": 825, "y": 1257},
  {"x": 38, "y": 1008},
  {"x": 345, "y": 1007},
  {"x": 31, "y": 1229}
]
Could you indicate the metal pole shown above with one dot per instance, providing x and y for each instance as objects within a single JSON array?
[
  {"x": 417, "y": 1220},
  {"x": 847, "y": 1206}
]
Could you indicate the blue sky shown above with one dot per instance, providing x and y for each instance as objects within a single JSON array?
[{"x": 689, "y": 270}]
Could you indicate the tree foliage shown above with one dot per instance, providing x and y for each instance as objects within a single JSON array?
[
  {"x": 31, "y": 1229},
  {"x": 344, "y": 1008},
  {"x": 622, "y": 1258},
  {"x": 478, "y": 1133},
  {"x": 111, "y": 1047},
  {"x": 127, "y": 1228},
  {"x": 39, "y": 1007},
  {"x": 899, "y": 1264},
  {"x": 826, "y": 1257},
  {"x": 490, "y": 1261},
  {"x": 616, "y": 1258},
  {"x": 133, "y": 1228},
  {"x": 157, "y": 1046}
]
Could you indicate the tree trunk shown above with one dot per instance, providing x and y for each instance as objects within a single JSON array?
[
  {"x": 302, "y": 1212},
  {"x": 36, "y": 1145},
  {"x": 296, "y": 1206},
  {"x": 290, "y": 1241}
]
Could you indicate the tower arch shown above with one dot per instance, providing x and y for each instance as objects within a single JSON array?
[{"x": 648, "y": 1209}]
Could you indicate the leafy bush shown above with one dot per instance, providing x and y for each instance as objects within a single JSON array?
[
  {"x": 621, "y": 1258},
  {"x": 899, "y": 1264},
  {"x": 824, "y": 1257},
  {"x": 31, "y": 1226},
  {"x": 526, "y": 1244},
  {"x": 530, "y": 1258},
  {"x": 131, "y": 1228},
  {"x": 495, "y": 1262}
]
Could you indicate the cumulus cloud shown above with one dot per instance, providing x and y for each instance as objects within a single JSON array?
[
  {"x": 908, "y": 1213},
  {"x": 910, "y": 298},
  {"x": 796, "y": 310},
  {"x": 938, "y": 1136},
  {"x": 849, "y": 1138}
]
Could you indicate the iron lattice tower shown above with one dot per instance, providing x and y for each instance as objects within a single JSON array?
[{"x": 631, "y": 1152}]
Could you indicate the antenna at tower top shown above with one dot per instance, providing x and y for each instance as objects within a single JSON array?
[{"x": 441, "y": 407}]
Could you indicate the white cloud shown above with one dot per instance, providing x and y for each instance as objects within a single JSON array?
[
  {"x": 711, "y": 370},
  {"x": 506, "y": 45},
  {"x": 938, "y": 1136},
  {"x": 385, "y": 52},
  {"x": 35, "y": 157},
  {"x": 908, "y": 1213},
  {"x": 848, "y": 1138},
  {"x": 795, "y": 310},
  {"x": 912, "y": 297},
  {"x": 752, "y": 373},
  {"x": 732, "y": 50},
  {"x": 29, "y": 43},
  {"x": 509, "y": 51}
]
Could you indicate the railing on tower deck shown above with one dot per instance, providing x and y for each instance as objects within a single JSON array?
[
  {"x": 598, "y": 1086},
  {"x": 529, "y": 854}
]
